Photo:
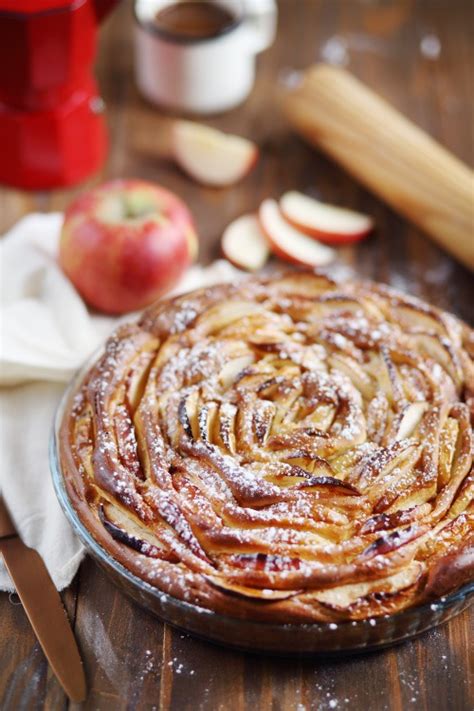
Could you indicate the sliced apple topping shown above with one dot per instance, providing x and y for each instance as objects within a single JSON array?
[
  {"x": 289, "y": 243},
  {"x": 212, "y": 157},
  {"x": 328, "y": 223},
  {"x": 343, "y": 596},
  {"x": 245, "y": 591},
  {"x": 411, "y": 418},
  {"x": 244, "y": 245},
  {"x": 233, "y": 368},
  {"x": 223, "y": 314}
]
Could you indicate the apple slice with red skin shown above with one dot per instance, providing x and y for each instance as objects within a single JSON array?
[
  {"x": 327, "y": 223},
  {"x": 244, "y": 244},
  {"x": 210, "y": 156},
  {"x": 289, "y": 243}
]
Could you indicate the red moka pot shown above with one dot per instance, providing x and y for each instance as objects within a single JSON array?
[{"x": 52, "y": 129}]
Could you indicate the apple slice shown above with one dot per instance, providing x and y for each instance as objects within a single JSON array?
[
  {"x": 328, "y": 223},
  {"x": 243, "y": 243},
  {"x": 289, "y": 243},
  {"x": 212, "y": 157}
]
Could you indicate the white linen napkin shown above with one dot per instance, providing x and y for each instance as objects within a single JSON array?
[{"x": 46, "y": 333}]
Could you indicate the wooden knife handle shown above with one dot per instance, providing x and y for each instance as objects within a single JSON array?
[
  {"x": 6, "y": 524},
  {"x": 389, "y": 154}
]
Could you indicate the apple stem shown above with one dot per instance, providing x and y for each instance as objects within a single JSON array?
[{"x": 137, "y": 205}]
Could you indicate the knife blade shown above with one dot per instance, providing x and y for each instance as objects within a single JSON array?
[{"x": 43, "y": 606}]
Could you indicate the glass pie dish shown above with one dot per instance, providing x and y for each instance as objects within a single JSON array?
[{"x": 260, "y": 637}]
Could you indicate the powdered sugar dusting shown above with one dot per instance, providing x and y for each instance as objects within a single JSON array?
[{"x": 297, "y": 441}]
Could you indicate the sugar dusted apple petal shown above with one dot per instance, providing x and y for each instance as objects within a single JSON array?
[
  {"x": 232, "y": 368},
  {"x": 221, "y": 315},
  {"x": 344, "y": 596},
  {"x": 260, "y": 594},
  {"x": 411, "y": 418},
  {"x": 308, "y": 285}
]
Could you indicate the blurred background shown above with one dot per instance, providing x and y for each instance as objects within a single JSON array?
[{"x": 415, "y": 53}]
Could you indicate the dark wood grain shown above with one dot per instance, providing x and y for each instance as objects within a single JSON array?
[{"x": 133, "y": 661}]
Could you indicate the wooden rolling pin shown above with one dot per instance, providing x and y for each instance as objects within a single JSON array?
[{"x": 387, "y": 153}]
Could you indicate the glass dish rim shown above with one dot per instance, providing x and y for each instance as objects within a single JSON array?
[{"x": 98, "y": 552}]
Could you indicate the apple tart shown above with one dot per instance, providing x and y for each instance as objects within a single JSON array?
[{"x": 290, "y": 449}]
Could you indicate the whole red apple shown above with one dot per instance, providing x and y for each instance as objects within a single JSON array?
[{"x": 125, "y": 243}]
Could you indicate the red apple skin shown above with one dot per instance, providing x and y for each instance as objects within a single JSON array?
[
  {"x": 331, "y": 238},
  {"x": 120, "y": 266},
  {"x": 275, "y": 249}
]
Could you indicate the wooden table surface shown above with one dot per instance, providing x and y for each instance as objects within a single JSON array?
[{"x": 419, "y": 56}]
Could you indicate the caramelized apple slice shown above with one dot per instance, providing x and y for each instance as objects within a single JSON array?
[
  {"x": 221, "y": 315},
  {"x": 233, "y": 368},
  {"x": 124, "y": 530},
  {"x": 391, "y": 541},
  {"x": 344, "y": 596},
  {"x": 410, "y": 419},
  {"x": 260, "y": 594},
  {"x": 188, "y": 414}
]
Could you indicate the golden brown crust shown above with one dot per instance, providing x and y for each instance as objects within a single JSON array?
[{"x": 287, "y": 449}]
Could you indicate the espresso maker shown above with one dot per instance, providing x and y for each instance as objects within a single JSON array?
[{"x": 52, "y": 128}]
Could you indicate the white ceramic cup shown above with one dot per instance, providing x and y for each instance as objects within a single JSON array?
[{"x": 201, "y": 75}]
